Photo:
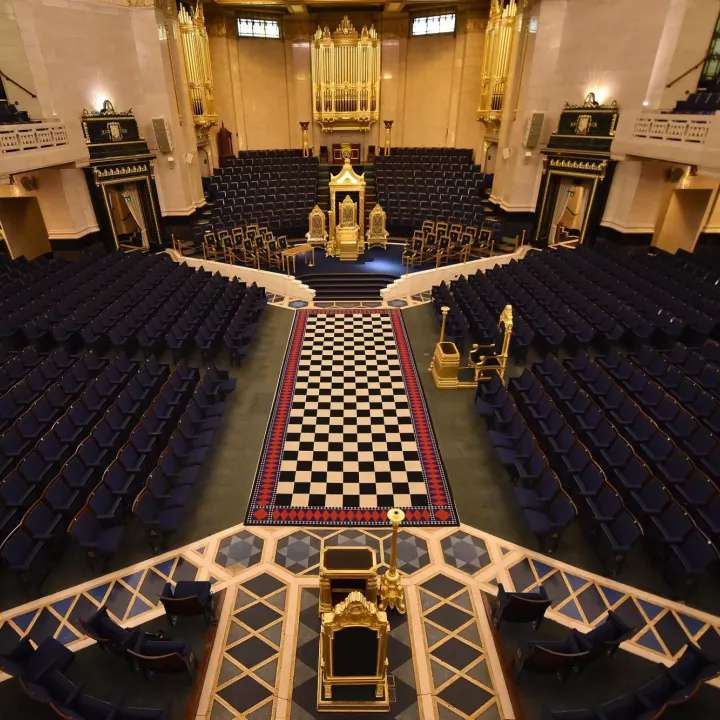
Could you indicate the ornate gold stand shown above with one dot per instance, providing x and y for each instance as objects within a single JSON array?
[{"x": 391, "y": 592}]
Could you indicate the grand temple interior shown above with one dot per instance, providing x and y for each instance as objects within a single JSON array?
[{"x": 359, "y": 358}]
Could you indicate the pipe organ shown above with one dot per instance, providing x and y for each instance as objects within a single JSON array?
[
  {"x": 346, "y": 77},
  {"x": 496, "y": 61},
  {"x": 196, "y": 51}
]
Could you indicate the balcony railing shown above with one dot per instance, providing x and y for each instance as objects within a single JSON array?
[
  {"x": 21, "y": 138},
  {"x": 33, "y": 146},
  {"x": 685, "y": 139},
  {"x": 676, "y": 128}
]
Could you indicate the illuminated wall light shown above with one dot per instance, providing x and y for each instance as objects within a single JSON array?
[
  {"x": 387, "y": 76},
  {"x": 100, "y": 97},
  {"x": 645, "y": 103}
]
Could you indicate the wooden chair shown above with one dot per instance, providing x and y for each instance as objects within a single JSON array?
[
  {"x": 412, "y": 253},
  {"x": 211, "y": 249},
  {"x": 188, "y": 599},
  {"x": 273, "y": 253}
]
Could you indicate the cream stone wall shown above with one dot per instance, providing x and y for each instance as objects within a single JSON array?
[
  {"x": 14, "y": 62},
  {"x": 429, "y": 85},
  {"x": 80, "y": 53}
]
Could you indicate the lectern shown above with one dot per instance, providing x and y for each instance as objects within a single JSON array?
[{"x": 344, "y": 570}]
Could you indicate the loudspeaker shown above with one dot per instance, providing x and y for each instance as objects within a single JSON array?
[
  {"x": 533, "y": 129},
  {"x": 162, "y": 135}
]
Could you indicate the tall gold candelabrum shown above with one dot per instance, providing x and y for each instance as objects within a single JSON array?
[
  {"x": 305, "y": 141},
  {"x": 391, "y": 592},
  {"x": 444, "y": 310},
  {"x": 388, "y": 127}
]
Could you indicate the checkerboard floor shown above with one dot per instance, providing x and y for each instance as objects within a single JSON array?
[
  {"x": 350, "y": 440},
  {"x": 350, "y": 436}
]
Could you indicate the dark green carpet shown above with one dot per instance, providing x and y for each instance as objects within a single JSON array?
[{"x": 109, "y": 677}]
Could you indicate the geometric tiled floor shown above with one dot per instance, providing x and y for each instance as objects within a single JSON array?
[{"x": 447, "y": 686}]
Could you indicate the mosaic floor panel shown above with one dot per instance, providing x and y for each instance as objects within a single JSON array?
[
  {"x": 349, "y": 436},
  {"x": 270, "y": 569}
]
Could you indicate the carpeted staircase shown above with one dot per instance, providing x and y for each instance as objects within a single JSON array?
[{"x": 348, "y": 285}]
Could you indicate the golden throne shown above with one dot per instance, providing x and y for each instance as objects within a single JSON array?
[
  {"x": 316, "y": 234},
  {"x": 348, "y": 239},
  {"x": 489, "y": 360},
  {"x": 377, "y": 235},
  {"x": 353, "y": 654}
]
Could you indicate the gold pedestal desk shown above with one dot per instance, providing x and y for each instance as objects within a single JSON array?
[
  {"x": 344, "y": 570},
  {"x": 446, "y": 365}
]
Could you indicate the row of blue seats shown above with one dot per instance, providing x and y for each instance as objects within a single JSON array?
[
  {"x": 96, "y": 333},
  {"x": 31, "y": 430},
  {"x": 161, "y": 505},
  {"x": 22, "y": 283},
  {"x": 637, "y": 329},
  {"x": 41, "y": 673},
  {"x": 85, "y": 442},
  {"x": 656, "y": 491},
  {"x": 687, "y": 429},
  {"x": 482, "y": 325},
  {"x": 709, "y": 352},
  {"x": 673, "y": 686},
  {"x": 700, "y": 306},
  {"x": 546, "y": 507},
  {"x": 151, "y": 338},
  {"x": 536, "y": 272},
  {"x": 540, "y": 301},
  {"x": 495, "y": 301},
  {"x": 125, "y": 273},
  {"x": 210, "y": 334},
  {"x": 125, "y": 333},
  {"x": 180, "y": 336},
  {"x": 18, "y": 367},
  {"x": 244, "y": 325},
  {"x": 99, "y": 527},
  {"x": 645, "y": 320},
  {"x": 693, "y": 280},
  {"x": 36, "y": 322},
  {"x": 697, "y": 325},
  {"x": 20, "y": 274}
]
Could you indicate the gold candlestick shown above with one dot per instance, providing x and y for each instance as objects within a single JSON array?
[
  {"x": 444, "y": 310},
  {"x": 391, "y": 592}
]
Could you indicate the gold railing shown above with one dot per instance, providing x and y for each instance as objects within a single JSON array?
[
  {"x": 346, "y": 77},
  {"x": 496, "y": 61},
  {"x": 196, "y": 51}
]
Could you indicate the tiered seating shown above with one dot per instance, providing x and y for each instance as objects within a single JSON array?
[
  {"x": 672, "y": 686},
  {"x": 161, "y": 504},
  {"x": 660, "y": 483},
  {"x": 41, "y": 673},
  {"x": 415, "y": 184},
  {"x": 274, "y": 188},
  {"x": 10, "y": 115},
  {"x": 244, "y": 324},
  {"x": 546, "y": 506}
]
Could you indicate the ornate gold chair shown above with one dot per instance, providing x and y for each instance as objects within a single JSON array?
[
  {"x": 353, "y": 652},
  {"x": 224, "y": 241},
  {"x": 492, "y": 360},
  {"x": 377, "y": 235},
  {"x": 428, "y": 226},
  {"x": 331, "y": 248},
  {"x": 430, "y": 247},
  {"x": 316, "y": 234},
  {"x": 249, "y": 253}
]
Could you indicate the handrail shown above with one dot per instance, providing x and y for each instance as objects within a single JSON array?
[
  {"x": 687, "y": 72},
  {"x": 31, "y": 94}
]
